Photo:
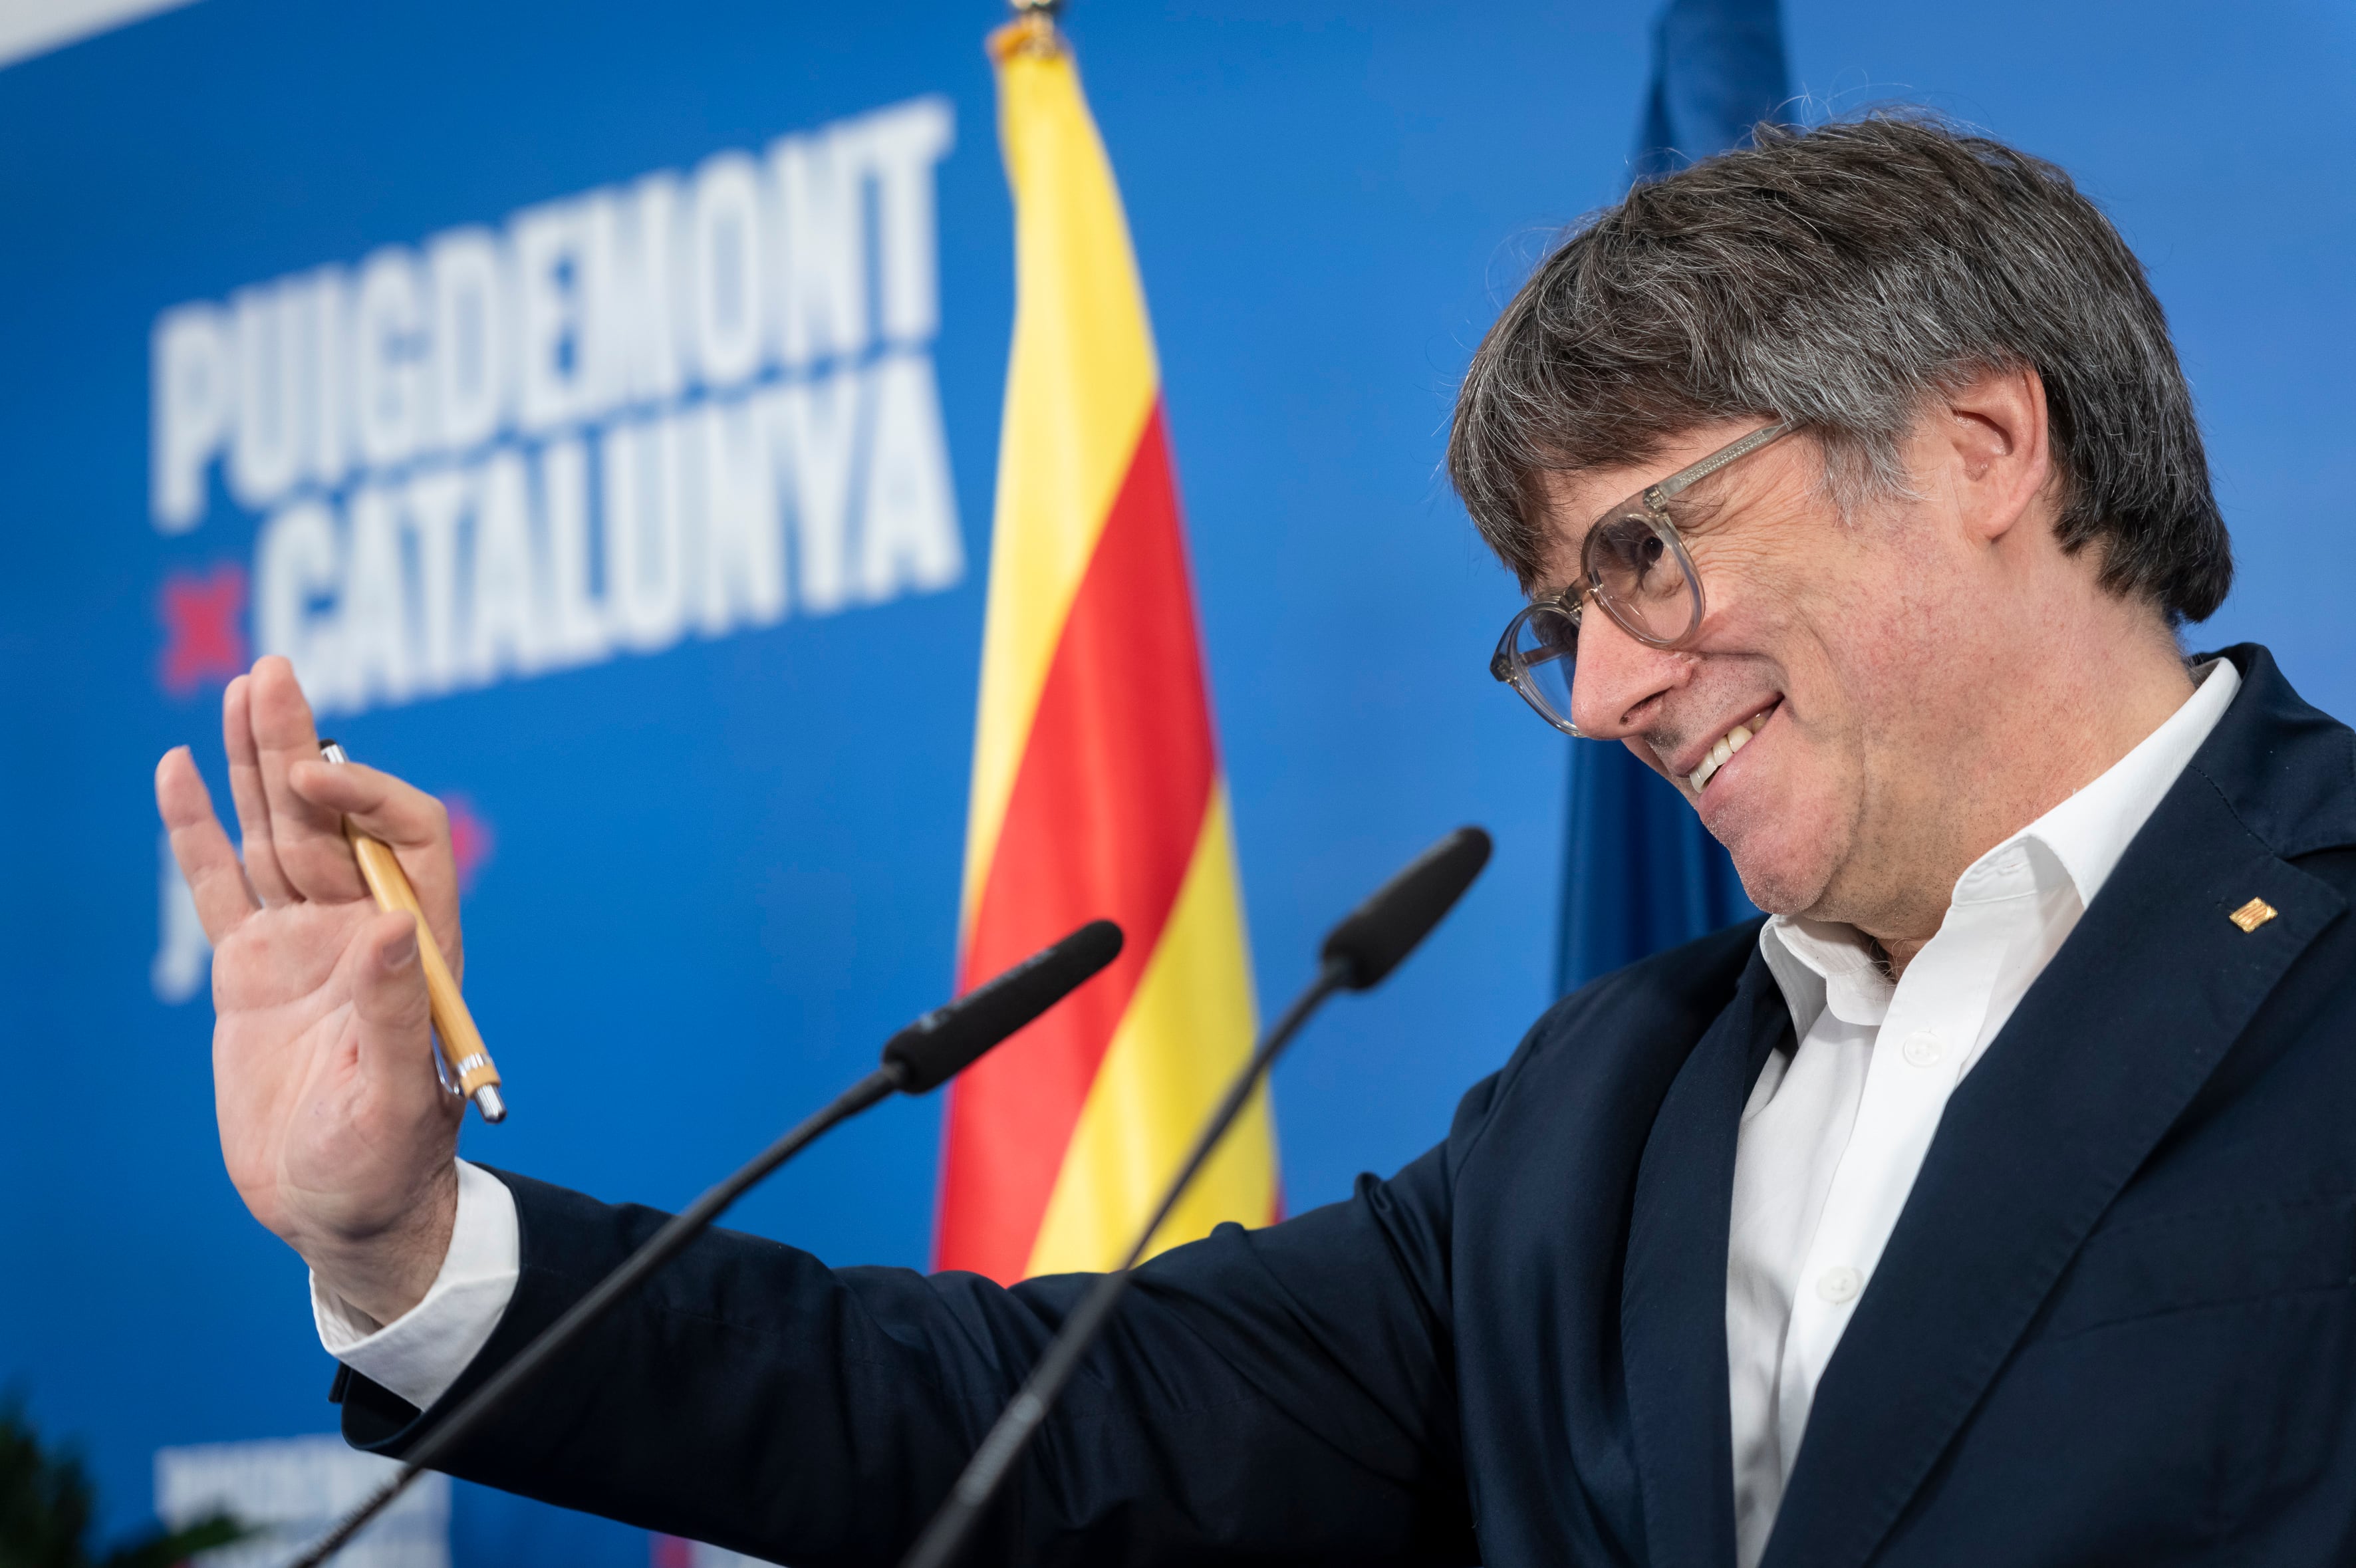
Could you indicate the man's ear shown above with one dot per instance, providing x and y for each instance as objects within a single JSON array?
[{"x": 1993, "y": 427}]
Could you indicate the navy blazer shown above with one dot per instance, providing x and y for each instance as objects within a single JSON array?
[{"x": 2114, "y": 1324}]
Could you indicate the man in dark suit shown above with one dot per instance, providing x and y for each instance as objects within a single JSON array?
[{"x": 1993, "y": 1202}]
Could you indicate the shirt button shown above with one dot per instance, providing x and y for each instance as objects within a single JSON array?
[
  {"x": 1840, "y": 1285},
  {"x": 1923, "y": 1048}
]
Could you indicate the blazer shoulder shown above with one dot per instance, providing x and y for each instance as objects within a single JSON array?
[
  {"x": 1660, "y": 1004},
  {"x": 2284, "y": 768},
  {"x": 1691, "y": 985}
]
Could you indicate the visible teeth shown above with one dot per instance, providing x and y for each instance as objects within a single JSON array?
[{"x": 1730, "y": 742}]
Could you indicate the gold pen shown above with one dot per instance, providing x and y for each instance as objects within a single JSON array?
[{"x": 468, "y": 1060}]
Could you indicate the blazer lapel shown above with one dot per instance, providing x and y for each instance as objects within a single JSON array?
[
  {"x": 2100, "y": 1059},
  {"x": 1673, "y": 1290}
]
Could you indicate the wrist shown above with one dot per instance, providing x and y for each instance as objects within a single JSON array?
[{"x": 385, "y": 1271}]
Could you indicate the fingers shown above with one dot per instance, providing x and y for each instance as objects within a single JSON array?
[
  {"x": 200, "y": 847},
  {"x": 404, "y": 816},
  {"x": 307, "y": 839},
  {"x": 394, "y": 1015},
  {"x": 245, "y": 788}
]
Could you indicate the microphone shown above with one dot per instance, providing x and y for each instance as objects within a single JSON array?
[
  {"x": 1374, "y": 936},
  {"x": 1358, "y": 954},
  {"x": 916, "y": 1060},
  {"x": 947, "y": 1040}
]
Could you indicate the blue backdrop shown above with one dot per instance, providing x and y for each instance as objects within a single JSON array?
[
  {"x": 741, "y": 850},
  {"x": 1639, "y": 872}
]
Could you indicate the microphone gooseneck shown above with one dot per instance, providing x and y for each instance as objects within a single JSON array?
[
  {"x": 1358, "y": 955},
  {"x": 916, "y": 1060}
]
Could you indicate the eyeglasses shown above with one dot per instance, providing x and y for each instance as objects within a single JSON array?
[{"x": 1634, "y": 565}]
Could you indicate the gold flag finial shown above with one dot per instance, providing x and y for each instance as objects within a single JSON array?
[{"x": 1033, "y": 31}]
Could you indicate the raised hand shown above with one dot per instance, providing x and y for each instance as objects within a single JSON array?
[{"x": 335, "y": 1128}]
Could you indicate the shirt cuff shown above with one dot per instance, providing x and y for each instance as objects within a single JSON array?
[{"x": 420, "y": 1353}]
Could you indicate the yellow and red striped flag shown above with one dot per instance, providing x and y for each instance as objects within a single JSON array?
[{"x": 1097, "y": 787}]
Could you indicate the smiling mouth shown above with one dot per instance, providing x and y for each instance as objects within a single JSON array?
[{"x": 1727, "y": 745}]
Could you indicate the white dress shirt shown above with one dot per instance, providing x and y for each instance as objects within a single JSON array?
[
  {"x": 1830, "y": 1143},
  {"x": 1835, "y": 1133}
]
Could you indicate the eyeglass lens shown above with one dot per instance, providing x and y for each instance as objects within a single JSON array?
[
  {"x": 1640, "y": 574},
  {"x": 1545, "y": 647}
]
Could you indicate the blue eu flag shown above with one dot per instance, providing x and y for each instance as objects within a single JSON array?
[{"x": 1638, "y": 872}]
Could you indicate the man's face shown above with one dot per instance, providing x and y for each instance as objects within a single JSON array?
[{"x": 1851, "y": 650}]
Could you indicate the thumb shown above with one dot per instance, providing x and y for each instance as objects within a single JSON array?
[{"x": 388, "y": 997}]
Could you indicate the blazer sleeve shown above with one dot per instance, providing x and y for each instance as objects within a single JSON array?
[{"x": 1284, "y": 1392}]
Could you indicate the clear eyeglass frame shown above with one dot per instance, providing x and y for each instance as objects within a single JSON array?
[{"x": 1633, "y": 563}]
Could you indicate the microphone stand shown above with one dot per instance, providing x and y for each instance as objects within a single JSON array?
[
  {"x": 946, "y": 1535},
  {"x": 1360, "y": 952},
  {"x": 659, "y": 1249},
  {"x": 916, "y": 1060}
]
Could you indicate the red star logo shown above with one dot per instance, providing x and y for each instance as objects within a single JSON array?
[
  {"x": 204, "y": 628},
  {"x": 470, "y": 838}
]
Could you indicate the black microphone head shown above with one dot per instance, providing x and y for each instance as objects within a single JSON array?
[
  {"x": 1374, "y": 936},
  {"x": 947, "y": 1040}
]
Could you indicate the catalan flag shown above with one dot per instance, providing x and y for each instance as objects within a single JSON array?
[{"x": 1097, "y": 787}]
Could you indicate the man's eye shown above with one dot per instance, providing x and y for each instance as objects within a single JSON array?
[{"x": 1625, "y": 544}]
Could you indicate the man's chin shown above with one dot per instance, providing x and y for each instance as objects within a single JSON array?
[{"x": 1782, "y": 871}]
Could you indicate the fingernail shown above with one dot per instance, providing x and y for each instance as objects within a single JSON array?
[{"x": 402, "y": 954}]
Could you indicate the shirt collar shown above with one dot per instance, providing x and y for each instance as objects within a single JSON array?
[
  {"x": 1824, "y": 966},
  {"x": 1821, "y": 966},
  {"x": 2090, "y": 831}
]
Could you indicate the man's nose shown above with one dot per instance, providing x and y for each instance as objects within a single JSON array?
[{"x": 1616, "y": 677}]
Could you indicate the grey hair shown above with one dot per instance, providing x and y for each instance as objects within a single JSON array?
[{"x": 1838, "y": 278}]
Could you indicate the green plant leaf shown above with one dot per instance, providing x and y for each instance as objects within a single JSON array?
[{"x": 47, "y": 1504}]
